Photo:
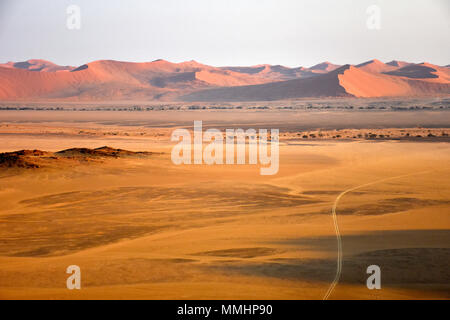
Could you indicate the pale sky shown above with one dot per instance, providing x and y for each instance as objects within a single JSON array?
[{"x": 226, "y": 32}]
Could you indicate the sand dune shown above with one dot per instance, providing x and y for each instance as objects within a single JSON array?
[
  {"x": 167, "y": 81},
  {"x": 278, "y": 72},
  {"x": 36, "y": 65},
  {"x": 324, "y": 67},
  {"x": 398, "y": 64},
  {"x": 344, "y": 81},
  {"x": 275, "y": 72},
  {"x": 423, "y": 71},
  {"x": 107, "y": 79},
  {"x": 34, "y": 159},
  {"x": 323, "y": 85},
  {"x": 360, "y": 83},
  {"x": 376, "y": 66}
]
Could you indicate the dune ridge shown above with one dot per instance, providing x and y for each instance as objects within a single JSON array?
[
  {"x": 160, "y": 80},
  {"x": 36, "y": 65},
  {"x": 346, "y": 81}
]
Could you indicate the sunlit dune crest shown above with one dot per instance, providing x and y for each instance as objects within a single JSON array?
[
  {"x": 36, "y": 65},
  {"x": 166, "y": 81}
]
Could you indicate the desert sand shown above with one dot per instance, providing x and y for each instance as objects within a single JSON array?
[
  {"x": 162, "y": 80},
  {"x": 140, "y": 227}
]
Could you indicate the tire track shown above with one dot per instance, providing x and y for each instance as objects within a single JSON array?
[{"x": 336, "y": 226}]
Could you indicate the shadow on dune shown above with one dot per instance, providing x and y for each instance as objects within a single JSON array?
[
  {"x": 61, "y": 223},
  {"x": 407, "y": 258},
  {"x": 374, "y": 240}
]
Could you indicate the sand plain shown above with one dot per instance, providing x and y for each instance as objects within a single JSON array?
[{"x": 143, "y": 228}]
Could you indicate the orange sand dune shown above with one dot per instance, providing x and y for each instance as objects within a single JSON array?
[
  {"x": 398, "y": 64},
  {"x": 274, "y": 72},
  {"x": 364, "y": 84},
  {"x": 37, "y": 65},
  {"x": 107, "y": 79},
  {"x": 193, "y": 81},
  {"x": 423, "y": 70},
  {"x": 344, "y": 81},
  {"x": 324, "y": 67},
  {"x": 321, "y": 85},
  {"x": 375, "y": 66},
  {"x": 278, "y": 72}
]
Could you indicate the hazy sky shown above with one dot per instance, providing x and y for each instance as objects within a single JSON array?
[{"x": 227, "y": 32}]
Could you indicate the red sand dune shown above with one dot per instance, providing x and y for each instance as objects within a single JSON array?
[
  {"x": 423, "y": 70},
  {"x": 107, "y": 79},
  {"x": 278, "y": 72},
  {"x": 360, "y": 83},
  {"x": 344, "y": 81},
  {"x": 273, "y": 72},
  {"x": 36, "y": 65},
  {"x": 324, "y": 67},
  {"x": 375, "y": 66},
  {"x": 321, "y": 85},
  {"x": 163, "y": 80},
  {"x": 398, "y": 64}
]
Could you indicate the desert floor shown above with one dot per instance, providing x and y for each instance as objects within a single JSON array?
[{"x": 147, "y": 229}]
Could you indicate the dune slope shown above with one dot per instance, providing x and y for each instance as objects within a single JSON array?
[
  {"x": 344, "y": 81},
  {"x": 193, "y": 81}
]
